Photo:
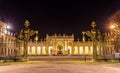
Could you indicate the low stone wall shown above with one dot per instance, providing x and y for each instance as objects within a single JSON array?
[{"x": 60, "y": 57}]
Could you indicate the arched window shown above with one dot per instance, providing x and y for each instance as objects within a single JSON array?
[
  {"x": 43, "y": 51},
  {"x": 81, "y": 50},
  {"x": 33, "y": 50},
  {"x": 86, "y": 50},
  {"x": 76, "y": 50},
  {"x": 38, "y": 50},
  {"x": 91, "y": 50}
]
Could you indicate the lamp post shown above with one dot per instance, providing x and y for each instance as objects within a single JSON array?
[
  {"x": 93, "y": 34},
  {"x": 25, "y": 36}
]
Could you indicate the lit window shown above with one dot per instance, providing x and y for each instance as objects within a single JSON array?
[
  {"x": 38, "y": 50},
  {"x": 86, "y": 50},
  {"x": 91, "y": 50},
  {"x": 81, "y": 50},
  {"x": 33, "y": 50},
  {"x": 65, "y": 48},
  {"x": 43, "y": 50},
  {"x": 50, "y": 50},
  {"x": 76, "y": 50}
]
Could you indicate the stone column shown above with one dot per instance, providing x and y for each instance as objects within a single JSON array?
[
  {"x": 36, "y": 50},
  {"x": 72, "y": 49}
]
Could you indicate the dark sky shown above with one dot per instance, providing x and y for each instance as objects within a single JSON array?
[{"x": 58, "y": 16}]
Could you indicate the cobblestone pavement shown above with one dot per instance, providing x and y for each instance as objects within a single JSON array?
[{"x": 60, "y": 67}]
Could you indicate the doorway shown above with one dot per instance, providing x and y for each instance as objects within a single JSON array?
[{"x": 59, "y": 50}]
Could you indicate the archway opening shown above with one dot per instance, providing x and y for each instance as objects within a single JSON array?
[{"x": 60, "y": 48}]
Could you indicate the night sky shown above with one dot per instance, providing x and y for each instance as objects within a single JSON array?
[{"x": 58, "y": 16}]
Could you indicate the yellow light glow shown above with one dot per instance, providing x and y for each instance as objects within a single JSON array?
[
  {"x": 43, "y": 50},
  {"x": 91, "y": 50},
  {"x": 65, "y": 48},
  {"x": 33, "y": 50},
  {"x": 113, "y": 25},
  {"x": 50, "y": 50},
  {"x": 81, "y": 50},
  {"x": 86, "y": 50},
  {"x": 76, "y": 50},
  {"x": 38, "y": 50}
]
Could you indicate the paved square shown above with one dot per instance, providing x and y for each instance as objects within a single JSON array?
[{"x": 60, "y": 67}]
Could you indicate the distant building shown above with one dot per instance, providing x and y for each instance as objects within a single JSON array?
[{"x": 61, "y": 45}]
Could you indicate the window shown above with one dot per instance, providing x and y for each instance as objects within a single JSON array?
[
  {"x": 81, "y": 50},
  {"x": 43, "y": 50},
  {"x": 38, "y": 50},
  {"x": 33, "y": 50},
  {"x": 86, "y": 49},
  {"x": 76, "y": 50},
  {"x": 91, "y": 50}
]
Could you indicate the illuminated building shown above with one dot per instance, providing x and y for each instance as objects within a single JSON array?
[
  {"x": 7, "y": 41},
  {"x": 60, "y": 45},
  {"x": 109, "y": 45}
]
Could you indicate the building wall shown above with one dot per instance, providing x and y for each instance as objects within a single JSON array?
[
  {"x": 7, "y": 41},
  {"x": 109, "y": 45},
  {"x": 56, "y": 43},
  {"x": 79, "y": 49}
]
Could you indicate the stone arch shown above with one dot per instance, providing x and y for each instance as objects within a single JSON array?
[{"x": 60, "y": 47}]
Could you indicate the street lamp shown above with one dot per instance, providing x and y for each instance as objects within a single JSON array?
[
  {"x": 93, "y": 34},
  {"x": 25, "y": 36},
  {"x": 8, "y": 27}
]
